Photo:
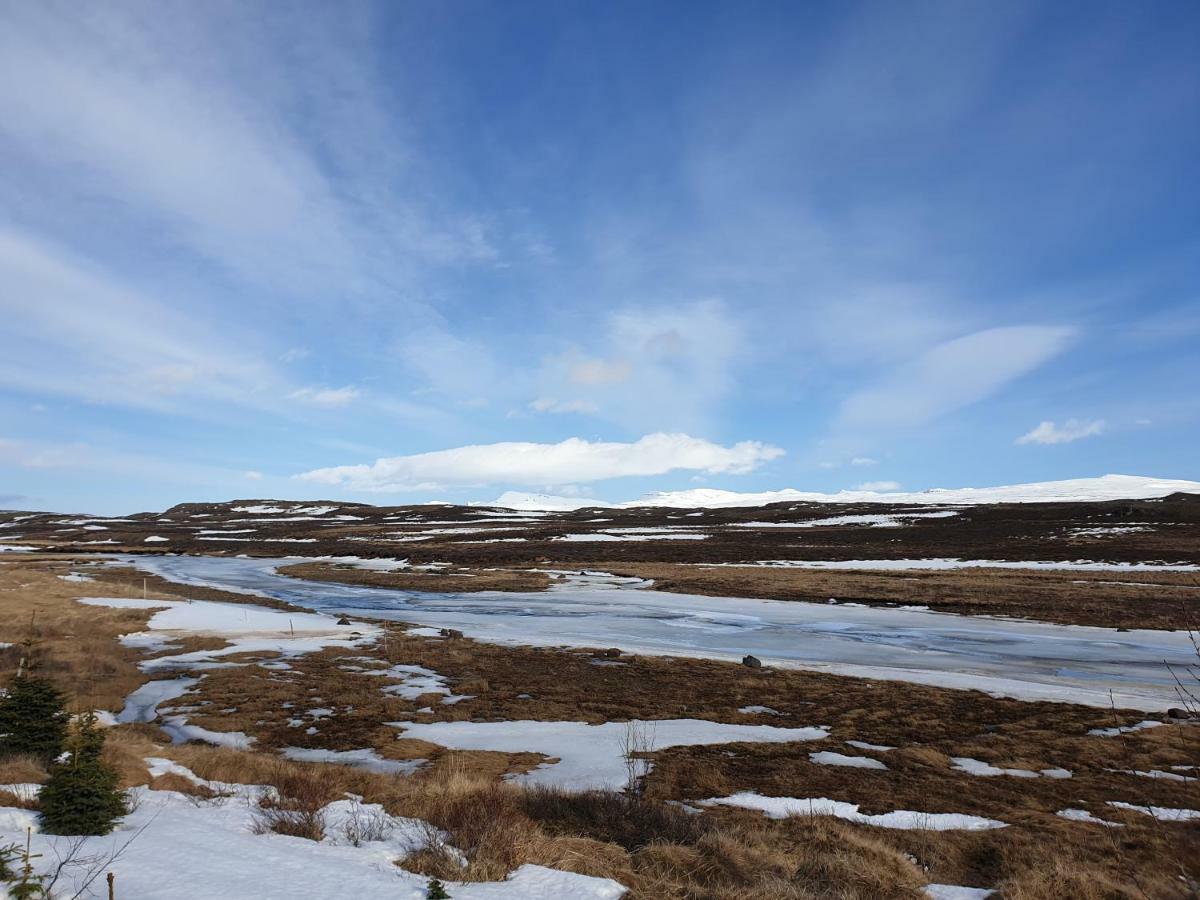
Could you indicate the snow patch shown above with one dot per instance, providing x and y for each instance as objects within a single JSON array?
[
  {"x": 783, "y": 807},
  {"x": 592, "y": 756},
  {"x": 829, "y": 758}
]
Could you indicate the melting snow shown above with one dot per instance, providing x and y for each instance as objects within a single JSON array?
[
  {"x": 173, "y": 846},
  {"x": 1082, "y": 815},
  {"x": 246, "y": 628},
  {"x": 1162, "y": 813},
  {"x": 592, "y": 756},
  {"x": 782, "y": 807},
  {"x": 979, "y": 767},
  {"x": 366, "y": 759},
  {"x": 863, "y": 745},
  {"x": 142, "y": 704},
  {"x": 956, "y": 892},
  {"x": 1124, "y": 729},
  {"x": 829, "y": 758}
]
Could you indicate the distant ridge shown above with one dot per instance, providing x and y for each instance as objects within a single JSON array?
[{"x": 1106, "y": 487}]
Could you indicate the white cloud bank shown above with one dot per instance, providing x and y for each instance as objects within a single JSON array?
[
  {"x": 571, "y": 461},
  {"x": 1071, "y": 430}
]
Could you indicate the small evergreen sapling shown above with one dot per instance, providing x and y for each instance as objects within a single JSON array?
[
  {"x": 82, "y": 794},
  {"x": 8, "y": 855},
  {"x": 435, "y": 890},
  {"x": 25, "y": 885},
  {"x": 32, "y": 719}
]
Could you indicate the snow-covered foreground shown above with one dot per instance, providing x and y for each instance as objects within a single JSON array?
[
  {"x": 1027, "y": 660},
  {"x": 594, "y": 756},
  {"x": 172, "y": 846}
]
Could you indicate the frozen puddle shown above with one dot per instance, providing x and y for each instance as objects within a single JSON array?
[
  {"x": 142, "y": 704},
  {"x": 782, "y": 807},
  {"x": 593, "y": 756},
  {"x": 366, "y": 759},
  {"x": 956, "y": 892},
  {"x": 1023, "y": 659}
]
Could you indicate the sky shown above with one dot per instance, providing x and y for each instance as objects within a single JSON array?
[{"x": 407, "y": 251}]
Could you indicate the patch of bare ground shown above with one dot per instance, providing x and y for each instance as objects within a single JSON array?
[
  {"x": 457, "y": 580},
  {"x": 1111, "y": 599}
]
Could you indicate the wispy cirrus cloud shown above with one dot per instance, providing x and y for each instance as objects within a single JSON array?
[
  {"x": 324, "y": 396},
  {"x": 952, "y": 375},
  {"x": 570, "y": 461},
  {"x": 549, "y": 405},
  {"x": 1048, "y": 432},
  {"x": 112, "y": 343}
]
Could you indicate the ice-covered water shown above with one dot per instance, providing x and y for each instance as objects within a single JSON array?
[{"x": 1029, "y": 660}]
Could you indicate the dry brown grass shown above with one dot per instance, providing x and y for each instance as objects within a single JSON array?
[
  {"x": 296, "y": 807},
  {"x": 21, "y": 770},
  {"x": 1109, "y": 599},
  {"x": 77, "y": 645},
  {"x": 458, "y": 580}
]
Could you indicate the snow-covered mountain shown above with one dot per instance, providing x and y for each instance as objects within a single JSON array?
[{"x": 1106, "y": 487}]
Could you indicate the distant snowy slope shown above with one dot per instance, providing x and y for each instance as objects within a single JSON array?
[
  {"x": 1106, "y": 487},
  {"x": 547, "y": 502}
]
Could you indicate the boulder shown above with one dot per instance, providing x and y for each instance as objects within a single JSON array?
[
  {"x": 752, "y": 662},
  {"x": 1176, "y": 712},
  {"x": 450, "y": 633}
]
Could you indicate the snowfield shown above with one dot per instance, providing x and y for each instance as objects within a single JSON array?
[{"x": 172, "y": 846}]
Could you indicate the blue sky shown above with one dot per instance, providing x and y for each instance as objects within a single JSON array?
[{"x": 732, "y": 245}]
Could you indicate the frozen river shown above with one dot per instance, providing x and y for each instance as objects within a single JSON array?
[{"x": 1028, "y": 660}]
